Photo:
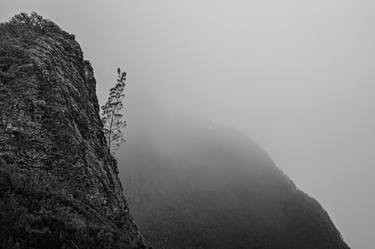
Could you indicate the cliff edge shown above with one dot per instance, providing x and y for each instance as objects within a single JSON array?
[{"x": 59, "y": 185}]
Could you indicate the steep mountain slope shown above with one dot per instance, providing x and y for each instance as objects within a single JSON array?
[
  {"x": 196, "y": 186},
  {"x": 58, "y": 182}
]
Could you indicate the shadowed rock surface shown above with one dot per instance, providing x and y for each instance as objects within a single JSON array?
[
  {"x": 194, "y": 185},
  {"x": 58, "y": 182}
]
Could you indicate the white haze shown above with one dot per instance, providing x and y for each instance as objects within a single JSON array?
[{"x": 297, "y": 76}]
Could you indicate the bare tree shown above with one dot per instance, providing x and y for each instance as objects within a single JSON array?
[{"x": 113, "y": 125}]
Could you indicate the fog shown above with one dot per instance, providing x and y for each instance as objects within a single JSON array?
[{"x": 296, "y": 76}]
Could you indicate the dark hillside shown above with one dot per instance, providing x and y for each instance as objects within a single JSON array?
[{"x": 195, "y": 186}]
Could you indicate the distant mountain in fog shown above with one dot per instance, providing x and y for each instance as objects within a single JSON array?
[{"x": 194, "y": 185}]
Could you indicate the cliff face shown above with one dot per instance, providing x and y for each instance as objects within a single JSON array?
[{"x": 58, "y": 182}]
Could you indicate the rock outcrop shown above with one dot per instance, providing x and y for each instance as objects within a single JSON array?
[{"x": 58, "y": 182}]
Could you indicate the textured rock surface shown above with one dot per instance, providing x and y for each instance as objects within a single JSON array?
[{"x": 58, "y": 182}]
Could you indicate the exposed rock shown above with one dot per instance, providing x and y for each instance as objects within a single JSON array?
[{"x": 58, "y": 182}]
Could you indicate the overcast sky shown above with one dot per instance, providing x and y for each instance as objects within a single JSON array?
[{"x": 297, "y": 76}]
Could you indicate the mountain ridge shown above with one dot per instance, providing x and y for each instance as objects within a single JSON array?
[{"x": 221, "y": 190}]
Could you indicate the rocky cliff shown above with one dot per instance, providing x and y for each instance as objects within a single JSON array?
[{"x": 58, "y": 182}]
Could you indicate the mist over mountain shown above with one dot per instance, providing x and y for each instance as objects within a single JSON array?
[
  {"x": 189, "y": 183},
  {"x": 192, "y": 184}
]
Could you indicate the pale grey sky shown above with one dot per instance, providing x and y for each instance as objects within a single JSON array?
[{"x": 298, "y": 76}]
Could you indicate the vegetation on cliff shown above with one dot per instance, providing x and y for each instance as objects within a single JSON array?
[
  {"x": 112, "y": 117},
  {"x": 58, "y": 181}
]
